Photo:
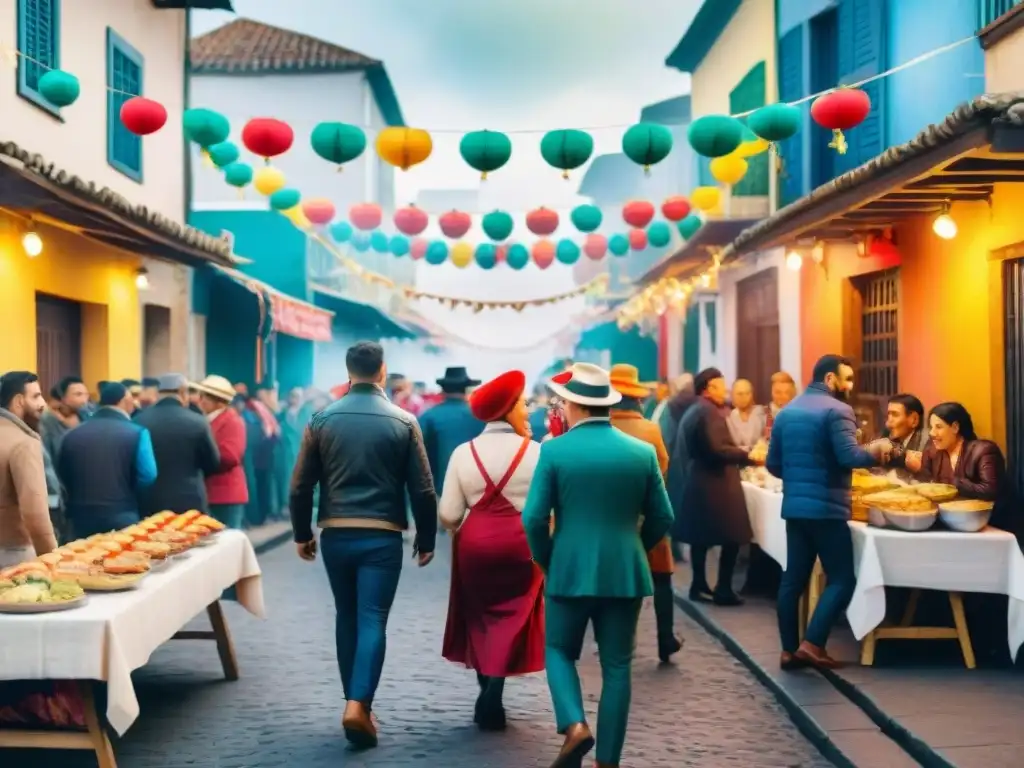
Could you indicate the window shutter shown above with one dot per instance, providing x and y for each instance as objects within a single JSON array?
[
  {"x": 861, "y": 55},
  {"x": 791, "y": 88},
  {"x": 749, "y": 94},
  {"x": 691, "y": 338},
  {"x": 39, "y": 43}
]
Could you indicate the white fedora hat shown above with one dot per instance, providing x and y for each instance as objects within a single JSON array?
[
  {"x": 585, "y": 384},
  {"x": 216, "y": 386}
]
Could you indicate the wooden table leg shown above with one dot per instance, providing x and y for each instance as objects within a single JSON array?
[
  {"x": 97, "y": 732},
  {"x": 867, "y": 649},
  {"x": 222, "y": 635},
  {"x": 911, "y": 610},
  {"x": 956, "y": 602}
]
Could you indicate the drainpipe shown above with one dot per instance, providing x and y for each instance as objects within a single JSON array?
[{"x": 186, "y": 98}]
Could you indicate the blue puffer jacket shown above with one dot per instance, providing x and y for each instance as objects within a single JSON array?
[{"x": 813, "y": 450}]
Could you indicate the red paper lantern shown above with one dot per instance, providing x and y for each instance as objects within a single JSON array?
[
  {"x": 542, "y": 222},
  {"x": 455, "y": 224},
  {"x": 595, "y": 246},
  {"x": 500, "y": 253},
  {"x": 543, "y": 253},
  {"x": 638, "y": 213},
  {"x": 319, "y": 211},
  {"x": 418, "y": 248},
  {"x": 143, "y": 116},
  {"x": 840, "y": 111},
  {"x": 675, "y": 208},
  {"x": 411, "y": 220},
  {"x": 365, "y": 216},
  {"x": 267, "y": 137},
  {"x": 637, "y": 239}
]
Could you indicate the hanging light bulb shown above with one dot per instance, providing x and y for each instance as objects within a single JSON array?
[
  {"x": 705, "y": 280},
  {"x": 944, "y": 226},
  {"x": 32, "y": 243},
  {"x": 794, "y": 261},
  {"x": 142, "y": 279}
]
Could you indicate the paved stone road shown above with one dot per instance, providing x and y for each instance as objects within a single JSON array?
[{"x": 704, "y": 712}]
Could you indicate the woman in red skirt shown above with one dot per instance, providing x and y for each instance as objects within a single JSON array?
[{"x": 496, "y": 605}]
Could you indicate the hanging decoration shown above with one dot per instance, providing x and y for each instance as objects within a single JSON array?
[
  {"x": 267, "y": 137},
  {"x": 715, "y": 135},
  {"x": 638, "y": 213},
  {"x": 411, "y": 220},
  {"x": 485, "y": 151},
  {"x": 283, "y": 199},
  {"x": 319, "y": 211},
  {"x": 637, "y": 239},
  {"x": 205, "y": 127},
  {"x": 486, "y": 256},
  {"x": 223, "y": 154},
  {"x": 404, "y": 147},
  {"x": 361, "y": 241},
  {"x": 461, "y": 255},
  {"x": 365, "y": 216},
  {"x": 618, "y": 245},
  {"x": 398, "y": 245},
  {"x": 647, "y": 144},
  {"x": 143, "y": 116},
  {"x": 659, "y": 235},
  {"x": 238, "y": 175},
  {"x": 338, "y": 143},
  {"x": 60, "y": 88},
  {"x": 567, "y": 252},
  {"x": 752, "y": 144},
  {"x": 342, "y": 231},
  {"x": 297, "y": 217},
  {"x": 706, "y": 198},
  {"x": 437, "y": 252},
  {"x": 542, "y": 221},
  {"x": 455, "y": 224},
  {"x": 517, "y": 257},
  {"x": 729, "y": 170},
  {"x": 418, "y": 248},
  {"x": 497, "y": 225},
  {"x": 841, "y": 110},
  {"x": 595, "y": 287},
  {"x": 595, "y": 246},
  {"x": 675, "y": 208},
  {"x": 379, "y": 241},
  {"x": 586, "y": 218},
  {"x": 775, "y": 122},
  {"x": 268, "y": 180},
  {"x": 543, "y": 253},
  {"x": 688, "y": 227},
  {"x": 566, "y": 149}
]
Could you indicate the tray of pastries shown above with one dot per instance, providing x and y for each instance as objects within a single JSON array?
[
  {"x": 114, "y": 575},
  {"x": 937, "y": 492}
]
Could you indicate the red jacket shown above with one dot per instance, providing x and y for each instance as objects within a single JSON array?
[{"x": 228, "y": 485}]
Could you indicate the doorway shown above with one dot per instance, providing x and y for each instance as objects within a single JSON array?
[
  {"x": 156, "y": 352},
  {"x": 1013, "y": 339},
  {"x": 757, "y": 331},
  {"x": 58, "y": 339}
]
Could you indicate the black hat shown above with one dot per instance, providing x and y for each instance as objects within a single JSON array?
[{"x": 456, "y": 380}]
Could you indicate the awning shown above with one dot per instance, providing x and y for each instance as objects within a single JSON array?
[
  {"x": 290, "y": 316},
  {"x": 958, "y": 160},
  {"x": 363, "y": 316},
  {"x": 694, "y": 255}
]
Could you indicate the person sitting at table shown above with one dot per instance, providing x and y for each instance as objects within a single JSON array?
[{"x": 746, "y": 419}]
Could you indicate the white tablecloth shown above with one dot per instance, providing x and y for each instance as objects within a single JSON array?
[
  {"x": 116, "y": 633},
  {"x": 765, "y": 510}
]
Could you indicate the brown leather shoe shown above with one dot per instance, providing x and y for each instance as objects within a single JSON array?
[
  {"x": 359, "y": 727},
  {"x": 815, "y": 656},
  {"x": 788, "y": 662},
  {"x": 578, "y": 742}
]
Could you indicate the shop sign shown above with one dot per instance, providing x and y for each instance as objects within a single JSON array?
[{"x": 300, "y": 320}]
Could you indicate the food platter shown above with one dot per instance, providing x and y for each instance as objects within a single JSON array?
[
  {"x": 110, "y": 583},
  {"x": 63, "y": 605}
]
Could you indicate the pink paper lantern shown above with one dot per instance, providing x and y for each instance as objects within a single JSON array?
[
  {"x": 411, "y": 220},
  {"x": 637, "y": 239},
  {"x": 455, "y": 224},
  {"x": 543, "y": 253},
  {"x": 675, "y": 208},
  {"x": 319, "y": 211},
  {"x": 418, "y": 248},
  {"x": 365, "y": 216},
  {"x": 638, "y": 213},
  {"x": 542, "y": 221},
  {"x": 595, "y": 246}
]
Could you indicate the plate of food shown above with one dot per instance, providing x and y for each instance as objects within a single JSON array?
[
  {"x": 906, "y": 511},
  {"x": 114, "y": 575},
  {"x": 39, "y": 594},
  {"x": 966, "y": 515},
  {"x": 937, "y": 492}
]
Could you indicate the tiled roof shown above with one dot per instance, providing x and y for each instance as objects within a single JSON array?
[{"x": 245, "y": 46}]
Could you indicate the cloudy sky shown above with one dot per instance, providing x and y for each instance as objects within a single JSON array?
[{"x": 523, "y": 66}]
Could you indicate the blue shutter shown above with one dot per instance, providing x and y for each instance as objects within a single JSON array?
[
  {"x": 749, "y": 94},
  {"x": 691, "y": 338},
  {"x": 124, "y": 80},
  {"x": 861, "y": 55},
  {"x": 791, "y": 88},
  {"x": 39, "y": 46}
]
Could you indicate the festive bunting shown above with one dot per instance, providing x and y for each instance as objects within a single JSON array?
[
  {"x": 267, "y": 137},
  {"x": 647, "y": 144},
  {"x": 542, "y": 221},
  {"x": 485, "y": 151},
  {"x": 338, "y": 143},
  {"x": 143, "y": 116},
  {"x": 455, "y": 224},
  {"x": 404, "y": 147},
  {"x": 586, "y": 218},
  {"x": 497, "y": 225},
  {"x": 566, "y": 149}
]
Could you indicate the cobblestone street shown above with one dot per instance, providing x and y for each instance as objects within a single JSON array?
[{"x": 706, "y": 711}]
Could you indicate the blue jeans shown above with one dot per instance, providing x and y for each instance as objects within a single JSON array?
[
  {"x": 363, "y": 567},
  {"x": 806, "y": 541}
]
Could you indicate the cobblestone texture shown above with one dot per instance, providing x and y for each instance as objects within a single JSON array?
[{"x": 704, "y": 711}]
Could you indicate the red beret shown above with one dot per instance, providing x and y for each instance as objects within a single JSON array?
[{"x": 491, "y": 401}]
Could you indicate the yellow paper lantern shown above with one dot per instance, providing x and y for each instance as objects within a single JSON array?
[
  {"x": 297, "y": 217},
  {"x": 267, "y": 180},
  {"x": 752, "y": 148},
  {"x": 461, "y": 254},
  {"x": 404, "y": 147},
  {"x": 705, "y": 198},
  {"x": 729, "y": 169}
]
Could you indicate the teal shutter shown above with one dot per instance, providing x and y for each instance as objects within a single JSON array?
[
  {"x": 861, "y": 55},
  {"x": 750, "y": 94},
  {"x": 691, "y": 338},
  {"x": 124, "y": 80},
  {"x": 39, "y": 46},
  {"x": 791, "y": 88}
]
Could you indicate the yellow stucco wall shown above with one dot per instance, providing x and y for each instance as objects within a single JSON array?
[
  {"x": 75, "y": 268},
  {"x": 1004, "y": 64}
]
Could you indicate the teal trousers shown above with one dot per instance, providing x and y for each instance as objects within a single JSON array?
[{"x": 614, "y": 621}]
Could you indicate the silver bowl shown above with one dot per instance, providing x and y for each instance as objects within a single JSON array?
[
  {"x": 876, "y": 517},
  {"x": 965, "y": 522},
  {"x": 915, "y": 522}
]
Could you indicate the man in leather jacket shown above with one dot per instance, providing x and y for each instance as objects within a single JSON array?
[{"x": 365, "y": 453}]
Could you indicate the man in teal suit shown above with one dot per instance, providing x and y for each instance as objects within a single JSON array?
[{"x": 598, "y": 483}]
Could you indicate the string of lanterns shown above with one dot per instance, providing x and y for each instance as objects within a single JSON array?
[{"x": 667, "y": 295}]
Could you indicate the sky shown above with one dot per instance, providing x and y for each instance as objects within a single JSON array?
[{"x": 522, "y": 66}]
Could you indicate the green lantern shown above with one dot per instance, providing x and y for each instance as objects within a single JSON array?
[
  {"x": 618, "y": 245},
  {"x": 776, "y": 122},
  {"x": 486, "y": 256},
  {"x": 60, "y": 88},
  {"x": 566, "y": 149},
  {"x": 485, "y": 151},
  {"x": 567, "y": 252},
  {"x": 586, "y": 218},
  {"x": 223, "y": 154},
  {"x": 205, "y": 127},
  {"x": 379, "y": 242},
  {"x": 284, "y": 199},
  {"x": 688, "y": 227},
  {"x": 517, "y": 257},
  {"x": 437, "y": 252},
  {"x": 647, "y": 144},
  {"x": 715, "y": 135},
  {"x": 238, "y": 174},
  {"x": 398, "y": 245},
  {"x": 497, "y": 225},
  {"x": 659, "y": 235},
  {"x": 338, "y": 143}
]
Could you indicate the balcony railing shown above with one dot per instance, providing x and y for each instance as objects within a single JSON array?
[{"x": 990, "y": 10}]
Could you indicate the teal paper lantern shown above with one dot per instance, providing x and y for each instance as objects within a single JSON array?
[
  {"x": 398, "y": 245},
  {"x": 379, "y": 242},
  {"x": 60, "y": 88},
  {"x": 586, "y": 218},
  {"x": 688, "y": 227},
  {"x": 659, "y": 235},
  {"x": 566, "y": 149},
  {"x": 715, "y": 135},
  {"x": 776, "y": 122},
  {"x": 567, "y": 251},
  {"x": 205, "y": 127},
  {"x": 223, "y": 154},
  {"x": 497, "y": 225},
  {"x": 285, "y": 199},
  {"x": 238, "y": 174},
  {"x": 486, "y": 256},
  {"x": 338, "y": 143},
  {"x": 518, "y": 256},
  {"x": 361, "y": 242},
  {"x": 341, "y": 232},
  {"x": 437, "y": 252},
  {"x": 618, "y": 245},
  {"x": 647, "y": 144}
]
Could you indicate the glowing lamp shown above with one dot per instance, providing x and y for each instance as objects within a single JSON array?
[
  {"x": 33, "y": 244},
  {"x": 944, "y": 226},
  {"x": 794, "y": 261},
  {"x": 142, "y": 279}
]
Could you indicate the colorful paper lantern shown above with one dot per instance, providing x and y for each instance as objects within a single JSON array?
[
  {"x": 688, "y": 227},
  {"x": 659, "y": 235},
  {"x": 486, "y": 256},
  {"x": 567, "y": 252},
  {"x": 647, "y": 144},
  {"x": 586, "y": 218},
  {"x": 706, "y": 198},
  {"x": 497, "y": 225},
  {"x": 542, "y": 221},
  {"x": 205, "y": 127},
  {"x": 675, "y": 208},
  {"x": 485, "y": 151},
  {"x": 361, "y": 241},
  {"x": 365, "y": 216},
  {"x": 595, "y": 246},
  {"x": 637, "y": 239},
  {"x": 411, "y": 220},
  {"x": 729, "y": 170},
  {"x": 638, "y": 213},
  {"x": 398, "y": 245},
  {"x": 566, "y": 149},
  {"x": 753, "y": 148},
  {"x": 418, "y": 248},
  {"x": 283, "y": 199},
  {"x": 238, "y": 175},
  {"x": 404, "y": 147},
  {"x": 341, "y": 232},
  {"x": 618, "y": 245},
  {"x": 517, "y": 257},
  {"x": 543, "y": 253},
  {"x": 143, "y": 116},
  {"x": 338, "y": 143},
  {"x": 268, "y": 180},
  {"x": 775, "y": 122},
  {"x": 500, "y": 251},
  {"x": 839, "y": 111},
  {"x": 223, "y": 154},
  {"x": 60, "y": 88},
  {"x": 297, "y": 217},
  {"x": 319, "y": 211},
  {"x": 715, "y": 135},
  {"x": 437, "y": 252},
  {"x": 379, "y": 242},
  {"x": 455, "y": 224},
  {"x": 267, "y": 137},
  {"x": 461, "y": 255}
]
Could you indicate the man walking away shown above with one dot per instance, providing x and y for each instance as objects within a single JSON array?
[
  {"x": 814, "y": 449},
  {"x": 184, "y": 448},
  {"x": 25, "y": 526},
  {"x": 365, "y": 453},
  {"x": 599, "y": 483},
  {"x": 227, "y": 490},
  {"x": 104, "y": 464},
  {"x": 450, "y": 423}
]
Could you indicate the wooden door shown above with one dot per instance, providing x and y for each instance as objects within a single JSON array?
[
  {"x": 58, "y": 339},
  {"x": 757, "y": 331}
]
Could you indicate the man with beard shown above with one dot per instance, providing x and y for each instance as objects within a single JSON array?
[
  {"x": 814, "y": 451},
  {"x": 25, "y": 527}
]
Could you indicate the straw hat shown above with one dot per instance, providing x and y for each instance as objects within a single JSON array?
[
  {"x": 626, "y": 380},
  {"x": 585, "y": 384},
  {"x": 216, "y": 386}
]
